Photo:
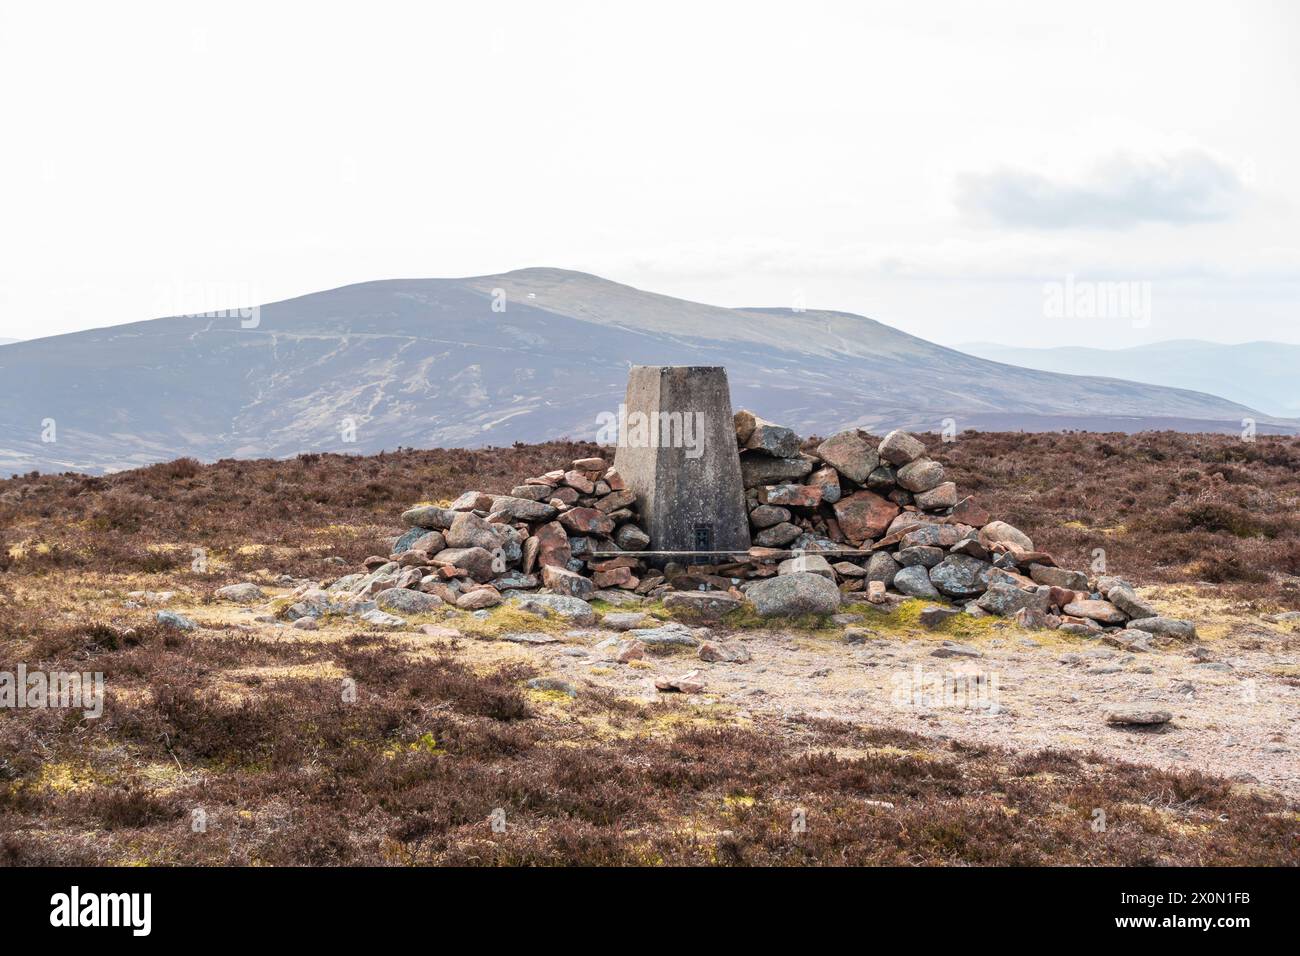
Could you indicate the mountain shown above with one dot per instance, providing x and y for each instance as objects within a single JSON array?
[
  {"x": 1259, "y": 374},
  {"x": 430, "y": 362},
  {"x": 9, "y": 341}
]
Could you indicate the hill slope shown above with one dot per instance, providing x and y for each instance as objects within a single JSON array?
[
  {"x": 429, "y": 362},
  {"x": 1259, "y": 374}
]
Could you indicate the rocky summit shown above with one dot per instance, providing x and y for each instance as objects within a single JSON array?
[{"x": 848, "y": 516}]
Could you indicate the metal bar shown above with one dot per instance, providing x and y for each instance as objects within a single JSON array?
[{"x": 768, "y": 554}]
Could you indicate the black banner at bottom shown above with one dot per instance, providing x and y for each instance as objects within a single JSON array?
[{"x": 333, "y": 906}]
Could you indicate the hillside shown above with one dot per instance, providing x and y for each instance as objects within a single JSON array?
[
  {"x": 1258, "y": 374},
  {"x": 428, "y": 362}
]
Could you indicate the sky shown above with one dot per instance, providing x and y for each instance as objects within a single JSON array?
[{"x": 965, "y": 172}]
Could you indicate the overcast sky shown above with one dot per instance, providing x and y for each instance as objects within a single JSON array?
[{"x": 933, "y": 168}]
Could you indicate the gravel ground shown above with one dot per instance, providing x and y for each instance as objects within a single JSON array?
[{"x": 1234, "y": 714}]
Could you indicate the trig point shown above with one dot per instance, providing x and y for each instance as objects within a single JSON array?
[{"x": 677, "y": 451}]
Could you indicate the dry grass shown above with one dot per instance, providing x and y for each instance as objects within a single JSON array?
[
  {"x": 251, "y": 727},
  {"x": 414, "y": 768},
  {"x": 1166, "y": 507}
]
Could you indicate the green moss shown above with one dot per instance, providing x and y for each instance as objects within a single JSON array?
[
  {"x": 905, "y": 620},
  {"x": 503, "y": 619},
  {"x": 281, "y": 604},
  {"x": 746, "y": 617},
  {"x": 425, "y": 743},
  {"x": 554, "y": 696}
]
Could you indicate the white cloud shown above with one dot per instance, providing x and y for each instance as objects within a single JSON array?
[{"x": 1120, "y": 191}]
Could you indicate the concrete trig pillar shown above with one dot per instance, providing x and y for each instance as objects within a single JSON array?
[{"x": 677, "y": 451}]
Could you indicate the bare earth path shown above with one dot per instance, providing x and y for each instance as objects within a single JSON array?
[
  {"x": 1235, "y": 714},
  {"x": 1234, "y": 695}
]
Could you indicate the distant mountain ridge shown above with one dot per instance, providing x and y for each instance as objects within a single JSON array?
[
  {"x": 1259, "y": 374},
  {"x": 524, "y": 356}
]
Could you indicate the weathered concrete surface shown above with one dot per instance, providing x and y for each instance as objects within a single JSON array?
[{"x": 678, "y": 454}]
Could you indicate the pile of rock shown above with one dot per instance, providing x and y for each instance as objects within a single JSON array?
[
  {"x": 544, "y": 534},
  {"x": 906, "y": 528},
  {"x": 850, "y": 515}
]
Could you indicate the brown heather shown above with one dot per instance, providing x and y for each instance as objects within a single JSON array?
[{"x": 253, "y": 730}]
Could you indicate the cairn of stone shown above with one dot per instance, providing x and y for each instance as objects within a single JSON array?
[
  {"x": 880, "y": 517},
  {"x": 544, "y": 534},
  {"x": 851, "y": 518}
]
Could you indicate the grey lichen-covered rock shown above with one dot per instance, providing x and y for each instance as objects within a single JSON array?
[
  {"x": 764, "y": 436},
  {"x": 881, "y": 566},
  {"x": 915, "y": 582},
  {"x": 406, "y": 601},
  {"x": 1126, "y": 599},
  {"x": 618, "y": 597},
  {"x": 1136, "y": 715},
  {"x": 920, "y": 475},
  {"x": 828, "y": 480},
  {"x": 430, "y": 542},
  {"x": 377, "y": 618},
  {"x": 429, "y": 516},
  {"x": 1165, "y": 627},
  {"x": 934, "y": 615},
  {"x": 631, "y": 538},
  {"x": 934, "y": 535},
  {"x": 408, "y": 539},
  {"x": 521, "y": 509},
  {"x": 1059, "y": 577},
  {"x": 532, "y": 492},
  {"x": 999, "y": 532},
  {"x": 672, "y": 634},
  {"x": 568, "y": 583},
  {"x": 766, "y": 516},
  {"x": 851, "y": 454},
  {"x": 899, "y": 448},
  {"x": 245, "y": 593},
  {"x": 807, "y": 564},
  {"x": 1108, "y": 581},
  {"x": 943, "y": 495},
  {"x": 924, "y": 555},
  {"x": 757, "y": 469},
  {"x": 530, "y": 637},
  {"x": 478, "y": 562},
  {"x": 315, "y": 603},
  {"x": 953, "y": 649},
  {"x": 701, "y": 605},
  {"x": 724, "y": 653},
  {"x": 479, "y": 599},
  {"x": 172, "y": 619},
  {"x": 961, "y": 576},
  {"x": 789, "y": 595},
  {"x": 777, "y": 536},
  {"x": 624, "y": 620},
  {"x": 516, "y": 581},
  {"x": 468, "y": 530},
  {"x": 882, "y": 479},
  {"x": 1101, "y": 611},
  {"x": 558, "y": 605},
  {"x": 1006, "y": 599},
  {"x": 553, "y": 684}
]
